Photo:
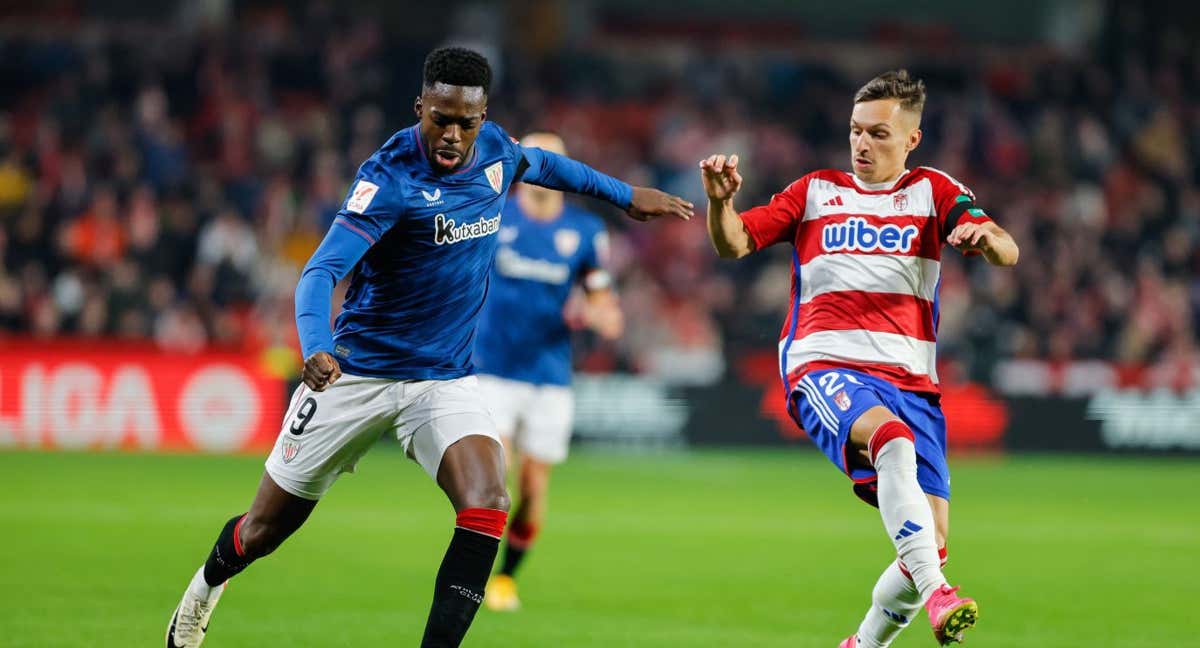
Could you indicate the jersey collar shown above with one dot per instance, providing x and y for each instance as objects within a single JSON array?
[{"x": 879, "y": 186}]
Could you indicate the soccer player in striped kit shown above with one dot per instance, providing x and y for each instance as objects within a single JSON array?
[{"x": 857, "y": 350}]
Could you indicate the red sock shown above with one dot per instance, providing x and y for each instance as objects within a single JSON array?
[
  {"x": 489, "y": 522},
  {"x": 894, "y": 429},
  {"x": 521, "y": 534},
  {"x": 237, "y": 537}
]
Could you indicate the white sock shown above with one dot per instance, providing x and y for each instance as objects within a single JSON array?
[
  {"x": 894, "y": 602},
  {"x": 906, "y": 512},
  {"x": 199, "y": 585}
]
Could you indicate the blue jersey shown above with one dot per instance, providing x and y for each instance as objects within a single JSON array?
[
  {"x": 421, "y": 246},
  {"x": 522, "y": 333}
]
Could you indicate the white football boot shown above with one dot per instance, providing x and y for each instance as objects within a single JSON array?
[{"x": 190, "y": 621}]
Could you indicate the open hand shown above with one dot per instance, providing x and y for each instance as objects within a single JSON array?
[
  {"x": 720, "y": 177},
  {"x": 649, "y": 203},
  {"x": 972, "y": 237}
]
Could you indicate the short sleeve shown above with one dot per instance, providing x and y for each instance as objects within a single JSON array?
[
  {"x": 777, "y": 220},
  {"x": 373, "y": 204}
]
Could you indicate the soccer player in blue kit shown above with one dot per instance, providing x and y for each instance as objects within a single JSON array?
[
  {"x": 418, "y": 229},
  {"x": 523, "y": 351}
]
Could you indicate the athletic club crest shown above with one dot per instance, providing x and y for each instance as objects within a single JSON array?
[
  {"x": 566, "y": 242},
  {"x": 495, "y": 176},
  {"x": 842, "y": 400},
  {"x": 290, "y": 450},
  {"x": 900, "y": 201}
]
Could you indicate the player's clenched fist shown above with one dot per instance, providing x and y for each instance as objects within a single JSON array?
[
  {"x": 720, "y": 177},
  {"x": 321, "y": 371},
  {"x": 651, "y": 203}
]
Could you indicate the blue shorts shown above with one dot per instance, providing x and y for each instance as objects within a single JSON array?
[{"x": 826, "y": 403}]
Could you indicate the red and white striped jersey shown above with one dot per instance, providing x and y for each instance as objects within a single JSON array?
[{"x": 865, "y": 271}]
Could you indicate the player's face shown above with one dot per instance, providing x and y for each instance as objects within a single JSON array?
[
  {"x": 881, "y": 136},
  {"x": 450, "y": 120}
]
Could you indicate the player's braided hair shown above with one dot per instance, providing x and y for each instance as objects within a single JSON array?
[
  {"x": 457, "y": 66},
  {"x": 894, "y": 84}
]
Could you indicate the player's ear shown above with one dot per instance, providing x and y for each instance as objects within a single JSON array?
[
  {"x": 914, "y": 139},
  {"x": 417, "y": 106}
]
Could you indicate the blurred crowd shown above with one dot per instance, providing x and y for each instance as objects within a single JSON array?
[{"x": 168, "y": 183}]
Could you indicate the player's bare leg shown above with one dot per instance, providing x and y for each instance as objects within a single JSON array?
[
  {"x": 273, "y": 516},
  {"x": 919, "y": 525},
  {"x": 532, "y": 484},
  {"x": 472, "y": 475}
]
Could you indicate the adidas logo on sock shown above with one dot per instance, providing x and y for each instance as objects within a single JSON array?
[
  {"x": 910, "y": 528},
  {"x": 894, "y": 616},
  {"x": 836, "y": 201}
]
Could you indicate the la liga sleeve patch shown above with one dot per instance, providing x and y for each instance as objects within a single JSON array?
[{"x": 361, "y": 197}]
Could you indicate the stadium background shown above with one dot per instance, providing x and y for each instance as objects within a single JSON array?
[{"x": 166, "y": 168}]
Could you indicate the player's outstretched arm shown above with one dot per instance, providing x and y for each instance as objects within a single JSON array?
[
  {"x": 554, "y": 171},
  {"x": 725, "y": 227},
  {"x": 989, "y": 239}
]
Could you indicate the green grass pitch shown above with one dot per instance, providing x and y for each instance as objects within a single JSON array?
[{"x": 739, "y": 548}]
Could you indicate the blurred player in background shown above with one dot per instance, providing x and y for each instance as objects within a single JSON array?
[
  {"x": 419, "y": 230},
  {"x": 857, "y": 354},
  {"x": 523, "y": 350}
]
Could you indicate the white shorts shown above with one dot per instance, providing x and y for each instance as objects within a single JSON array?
[
  {"x": 537, "y": 419},
  {"x": 325, "y": 433}
]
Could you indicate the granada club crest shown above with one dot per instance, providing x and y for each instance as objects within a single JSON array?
[
  {"x": 842, "y": 400},
  {"x": 900, "y": 201},
  {"x": 566, "y": 242},
  {"x": 290, "y": 450},
  {"x": 495, "y": 176}
]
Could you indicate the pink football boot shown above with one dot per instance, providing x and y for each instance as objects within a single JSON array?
[{"x": 950, "y": 615}]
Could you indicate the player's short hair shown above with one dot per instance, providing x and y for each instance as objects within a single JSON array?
[
  {"x": 457, "y": 66},
  {"x": 894, "y": 84}
]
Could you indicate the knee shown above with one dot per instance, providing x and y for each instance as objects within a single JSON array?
[{"x": 489, "y": 496}]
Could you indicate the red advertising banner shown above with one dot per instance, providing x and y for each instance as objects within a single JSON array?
[{"x": 104, "y": 395}]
